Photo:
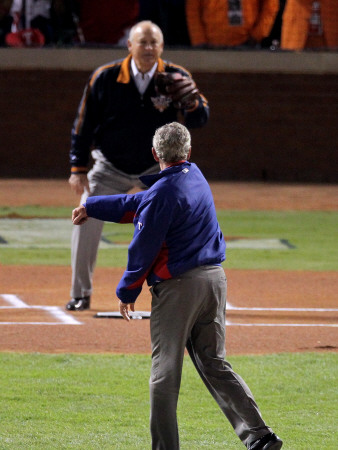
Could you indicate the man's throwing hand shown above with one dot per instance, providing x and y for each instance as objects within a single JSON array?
[
  {"x": 79, "y": 215},
  {"x": 124, "y": 310}
]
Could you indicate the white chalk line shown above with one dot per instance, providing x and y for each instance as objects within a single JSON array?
[
  {"x": 13, "y": 300},
  {"x": 231, "y": 307},
  {"x": 64, "y": 319},
  {"x": 237, "y": 324},
  {"x": 57, "y": 313}
]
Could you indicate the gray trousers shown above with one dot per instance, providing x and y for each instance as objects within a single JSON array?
[
  {"x": 103, "y": 179},
  {"x": 189, "y": 312}
]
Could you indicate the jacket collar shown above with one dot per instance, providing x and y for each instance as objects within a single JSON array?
[
  {"x": 149, "y": 180},
  {"x": 124, "y": 74}
]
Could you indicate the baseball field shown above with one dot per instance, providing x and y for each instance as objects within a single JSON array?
[{"x": 71, "y": 380}]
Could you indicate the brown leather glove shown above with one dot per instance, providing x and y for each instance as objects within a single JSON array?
[{"x": 182, "y": 90}]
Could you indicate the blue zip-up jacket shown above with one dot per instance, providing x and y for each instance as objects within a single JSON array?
[{"x": 176, "y": 227}]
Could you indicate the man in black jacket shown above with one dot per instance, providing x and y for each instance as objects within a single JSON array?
[{"x": 118, "y": 114}]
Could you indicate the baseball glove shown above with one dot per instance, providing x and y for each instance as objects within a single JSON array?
[{"x": 182, "y": 90}]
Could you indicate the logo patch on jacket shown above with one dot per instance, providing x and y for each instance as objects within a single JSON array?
[{"x": 161, "y": 102}]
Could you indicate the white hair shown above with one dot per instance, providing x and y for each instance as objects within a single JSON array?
[
  {"x": 172, "y": 142},
  {"x": 144, "y": 24}
]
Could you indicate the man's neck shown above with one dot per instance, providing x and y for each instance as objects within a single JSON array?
[
  {"x": 165, "y": 165},
  {"x": 142, "y": 70}
]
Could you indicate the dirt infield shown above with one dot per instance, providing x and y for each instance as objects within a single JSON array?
[
  {"x": 236, "y": 196},
  {"x": 292, "y": 310}
]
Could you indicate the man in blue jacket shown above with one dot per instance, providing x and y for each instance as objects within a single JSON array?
[{"x": 178, "y": 248}]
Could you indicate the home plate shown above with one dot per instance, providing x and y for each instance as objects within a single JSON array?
[{"x": 117, "y": 315}]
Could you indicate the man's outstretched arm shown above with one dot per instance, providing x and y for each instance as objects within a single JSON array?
[{"x": 119, "y": 208}]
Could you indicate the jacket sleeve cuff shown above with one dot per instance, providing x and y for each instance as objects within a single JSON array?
[
  {"x": 78, "y": 170},
  {"x": 193, "y": 107}
]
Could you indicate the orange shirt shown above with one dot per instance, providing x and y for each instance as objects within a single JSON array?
[
  {"x": 296, "y": 21},
  {"x": 212, "y": 22}
]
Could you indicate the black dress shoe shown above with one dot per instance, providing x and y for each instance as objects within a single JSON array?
[
  {"x": 78, "y": 304},
  {"x": 269, "y": 441}
]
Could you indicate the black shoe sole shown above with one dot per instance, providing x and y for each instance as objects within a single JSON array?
[
  {"x": 75, "y": 309},
  {"x": 80, "y": 305},
  {"x": 273, "y": 446},
  {"x": 274, "y": 443}
]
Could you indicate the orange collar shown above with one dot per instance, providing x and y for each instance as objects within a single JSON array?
[{"x": 124, "y": 74}]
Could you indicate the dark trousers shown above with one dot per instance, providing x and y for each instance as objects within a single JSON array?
[{"x": 189, "y": 312}]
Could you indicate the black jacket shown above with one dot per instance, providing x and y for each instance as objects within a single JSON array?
[{"x": 115, "y": 118}]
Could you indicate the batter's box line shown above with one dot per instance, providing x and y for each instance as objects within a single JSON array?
[
  {"x": 237, "y": 324},
  {"x": 231, "y": 307},
  {"x": 16, "y": 303}
]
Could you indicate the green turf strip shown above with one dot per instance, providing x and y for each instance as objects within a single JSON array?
[
  {"x": 101, "y": 401},
  {"x": 28, "y": 211},
  {"x": 313, "y": 234}
]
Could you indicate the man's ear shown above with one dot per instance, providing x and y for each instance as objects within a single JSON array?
[
  {"x": 189, "y": 154},
  {"x": 156, "y": 158}
]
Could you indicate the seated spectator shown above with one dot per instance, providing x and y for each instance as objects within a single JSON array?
[
  {"x": 310, "y": 24},
  {"x": 32, "y": 15},
  {"x": 5, "y": 19},
  {"x": 170, "y": 16},
  {"x": 230, "y": 23},
  {"x": 107, "y": 22}
]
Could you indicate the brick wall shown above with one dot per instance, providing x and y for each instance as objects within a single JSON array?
[{"x": 272, "y": 127}]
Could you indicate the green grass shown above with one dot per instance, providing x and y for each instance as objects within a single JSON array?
[
  {"x": 27, "y": 211},
  {"x": 101, "y": 401},
  {"x": 314, "y": 234}
]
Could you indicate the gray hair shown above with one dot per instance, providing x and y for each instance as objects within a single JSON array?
[
  {"x": 172, "y": 142},
  {"x": 144, "y": 24}
]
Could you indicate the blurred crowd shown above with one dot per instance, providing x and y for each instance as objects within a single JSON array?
[{"x": 266, "y": 24}]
